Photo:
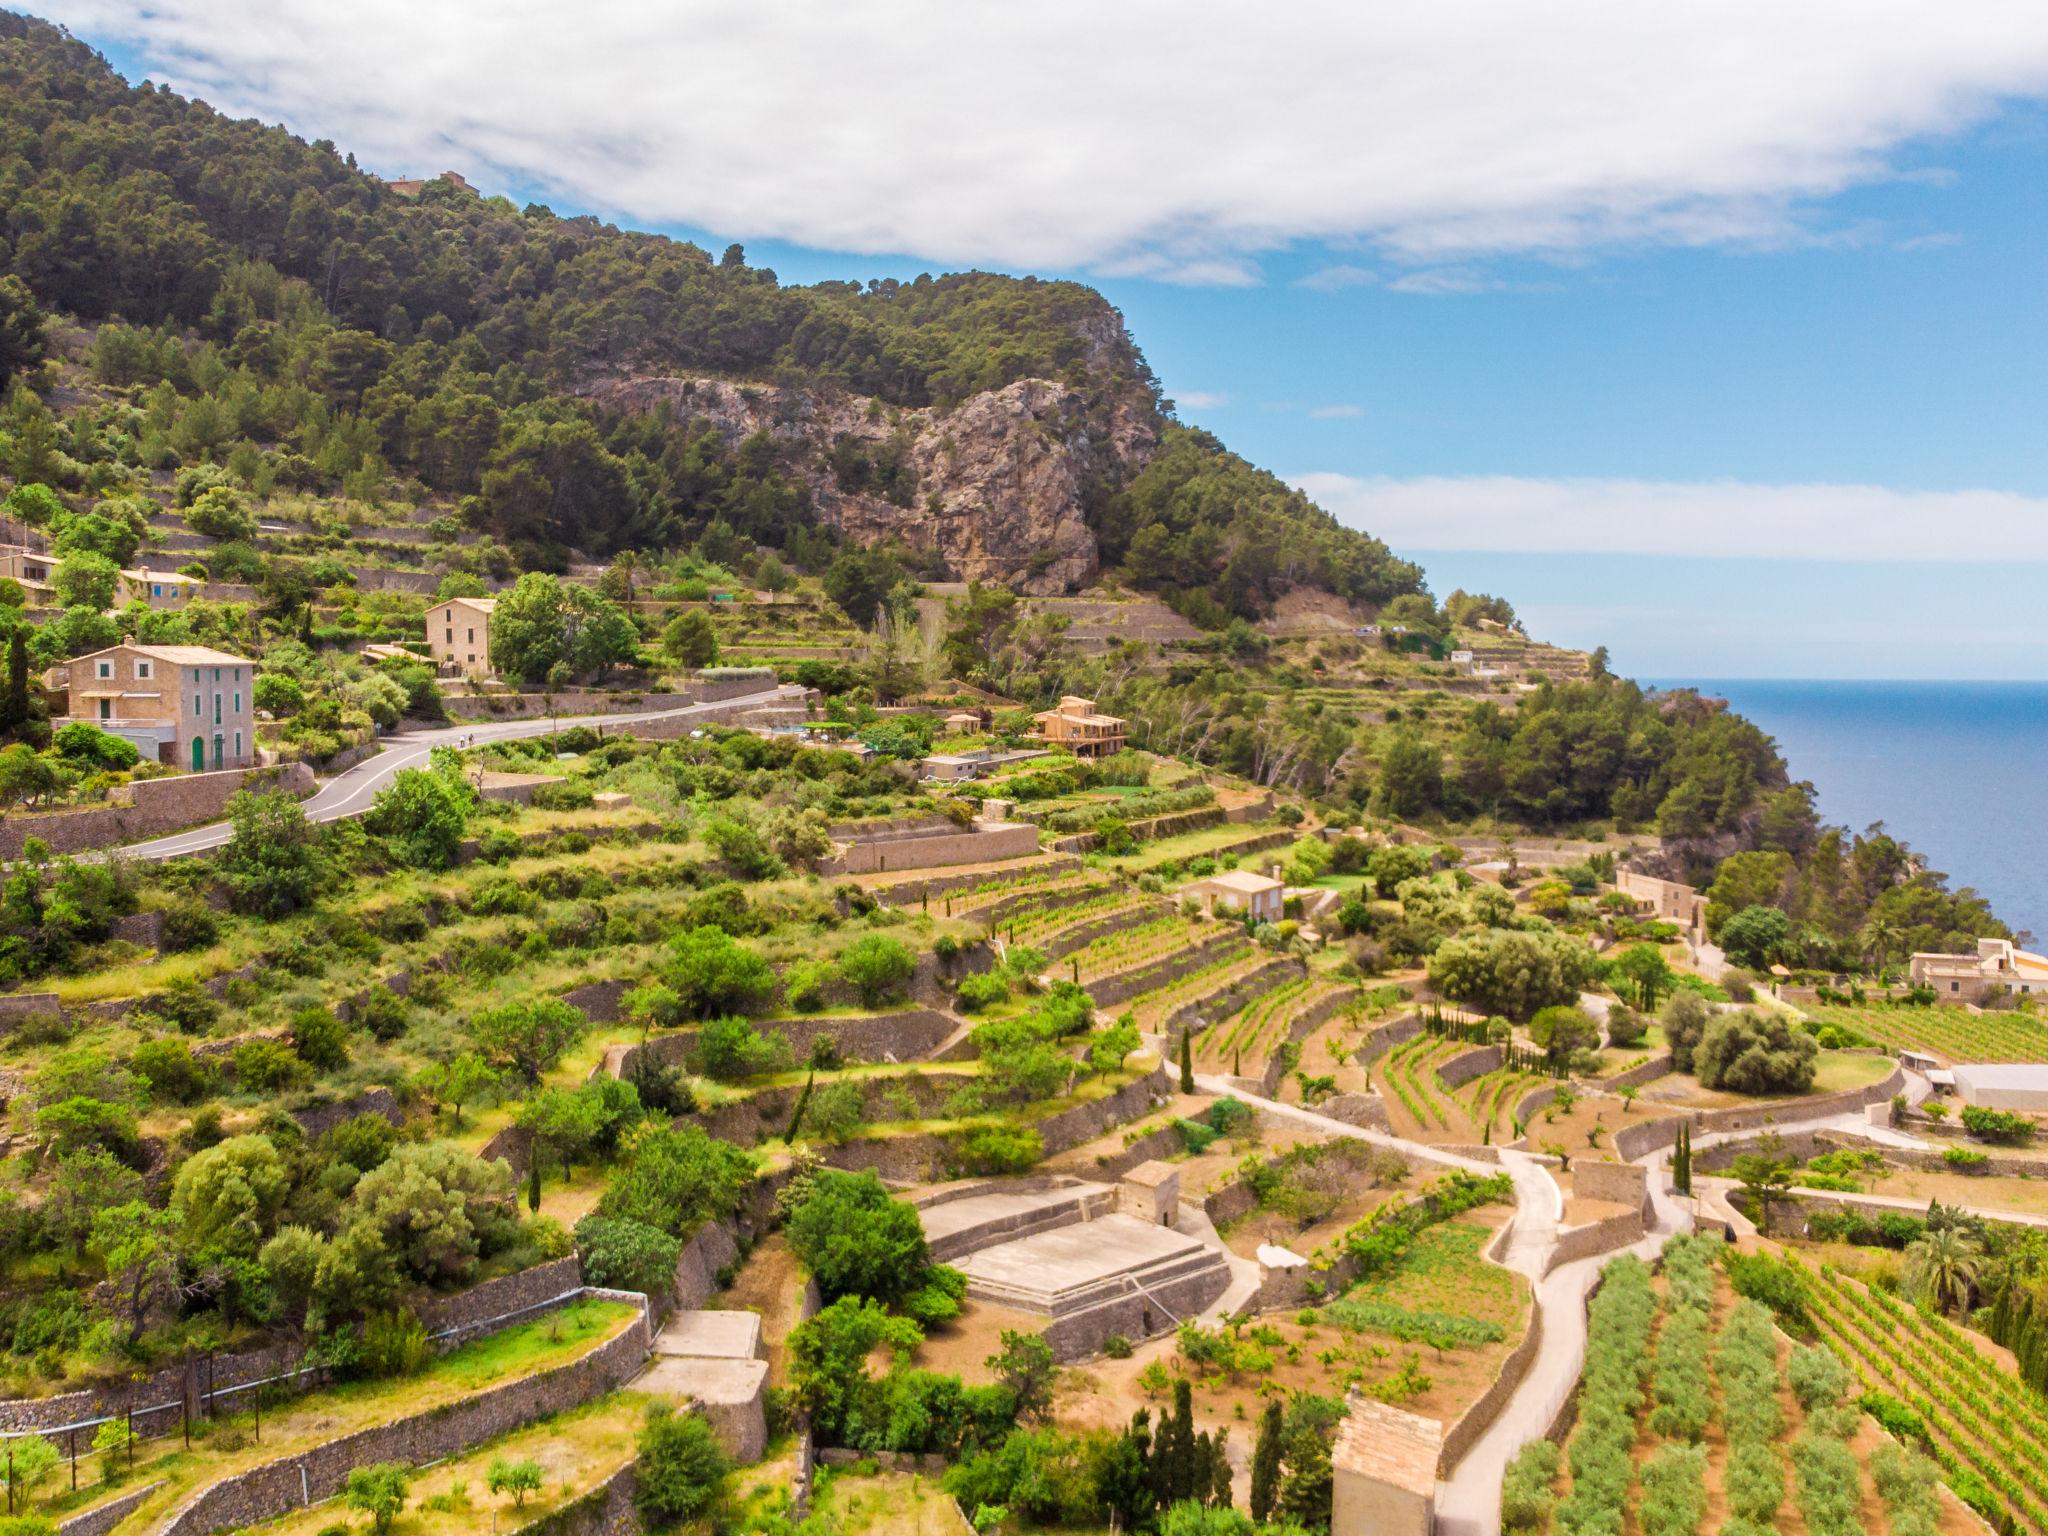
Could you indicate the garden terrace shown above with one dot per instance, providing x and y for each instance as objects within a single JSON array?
[
  {"x": 1128, "y": 948},
  {"x": 1953, "y": 1033},
  {"x": 1835, "y": 1072},
  {"x": 1981, "y": 1421},
  {"x": 1249, "y": 1038},
  {"x": 1041, "y": 924},
  {"x": 1422, "y": 1107},
  {"x": 1224, "y": 963},
  {"x": 577, "y": 1451},
  {"x": 229, "y": 1446}
]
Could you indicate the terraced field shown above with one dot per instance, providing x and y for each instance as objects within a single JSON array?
[
  {"x": 1954, "y": 1033},
  {"x": 1245, "y": 1041},
  {"x": 1232, "y": 963},
  {"x": 1421, "y": 1106},
  {"x": 1037, "y": 925},
  {"x": 1130, "y": 948},
  {"x": 1981, "y": 1419}
]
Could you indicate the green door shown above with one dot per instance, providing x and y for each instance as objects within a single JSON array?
[{"x": 198, "y": 755}]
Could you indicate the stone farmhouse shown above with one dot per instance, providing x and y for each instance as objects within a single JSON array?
[
  {"x": 1969, "y": 978},
  {"x": 158, "y": 589},
  {"x": 459, "y": 635},
  {"x": 1075, "y": 725},
  {"x": 187, "y": 705}
]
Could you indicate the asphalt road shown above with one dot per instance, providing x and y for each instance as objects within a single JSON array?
[{"x": 353, "y": 792}]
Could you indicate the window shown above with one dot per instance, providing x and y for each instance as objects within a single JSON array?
[
  {"x": 238, "y": 710},
  {"x": 238, "y": 745},
  {"x": 198, "y": 706},
  {"x": 448, "y": 636},
  {"x": 106, "y": 669},
  {"x": 472, "y": 637},
  {"x": 216, "y": 721},
  {"x": 142, "y": 669},
  {"x": 156, "y": 589}
]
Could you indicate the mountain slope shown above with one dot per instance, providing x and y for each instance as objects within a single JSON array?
[{"x": 443, "y": 316}]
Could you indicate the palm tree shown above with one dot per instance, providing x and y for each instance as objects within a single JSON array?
[
  {"x": 1878, "y": 937},
  {"x": 1942, "y": 1269}
]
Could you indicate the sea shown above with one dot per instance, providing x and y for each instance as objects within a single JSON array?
[{"x": 1957, "y": 770}]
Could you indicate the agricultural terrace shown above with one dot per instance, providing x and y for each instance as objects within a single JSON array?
[
  {"x": 1422, "y": 1107},
  {"x": 1983, "y": 1426},
  {"x": 1952, "y": 1033},
  {"x": 1694, "y": 1414}
]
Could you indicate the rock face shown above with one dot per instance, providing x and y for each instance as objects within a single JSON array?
[{"x": 1000, "y": 488}]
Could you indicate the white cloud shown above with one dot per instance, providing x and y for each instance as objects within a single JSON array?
[
  {"x": 1335, "y": 412},
  {"x": 1342, "y": 275},
  {"x": 1433, "y": 134},
  {"x": 1713, "y": 518},
  {"x": 1435, "y": 281},
  {"x": 1200, "y": 399}
]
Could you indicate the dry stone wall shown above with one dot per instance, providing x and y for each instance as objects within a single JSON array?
[
  {"x": 160, "y": 807},
  {"x": 277, "y": 1487},
  {"x": 104, "y": 1517},
  {"x": 988, "y": 845}
]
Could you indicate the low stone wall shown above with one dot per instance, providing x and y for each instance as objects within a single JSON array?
[
  {"x": 525, "y": 706},
  {"x": 1466, "y": 1065},
  {"x": 478, "y": 1310},
  {"x": 1081, "y": 1334},
  {"x": 909, "y": 1035},
  {"x": 1367, "y": 1111},
  {"x": 606, "y": 1510},
  {"x": 1382, "y": 1040},
  {"x": 1634, "y": 1141},
  {"x": 1799, "y": 1146},
  {"x": 277, "y": 1487},
  {"x": 103, "y": 1518},
  {"x": 1464, "y": 1432},
  {"x": 1646, "y": 1072},
  {"x": 709, "y": 1252},
  {"x": 1161, "y": 1143},
  {"x": 1529, "y": 1103},
  {"x": 988, "y": 845},
  {"x": 1929, "y": 1162},
  {"x": 907, "y": 893},
  {"x": 318, "y": 1119},
  {"x": 1085, "y": 1122},
  {"x": 160, "y": 807},
  {"x": 1082, "y": 934},
  {"x": 930, "y": 1463},
  {"x": 16, "y": 1006},
  {"x": 1602, "y": 1236},
  {"x": 1617, "y": 1183}
]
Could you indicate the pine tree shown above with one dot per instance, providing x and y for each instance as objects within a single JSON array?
[
  {"x": 1187, "y": 1062},
  {"x": 1266, "y": 1464}
]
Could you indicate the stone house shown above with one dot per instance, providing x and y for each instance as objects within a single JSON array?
[
  {"x": 1968, "y": 978},
  {"x": 1239, "y": 890},
  {"x": 459, "y": 635},
  {"x": 187, "y": 705},
  {"x": 158, "y": 589},
  {"x": 30, "y": 570},
  {"x": 1075, "y": 725}
]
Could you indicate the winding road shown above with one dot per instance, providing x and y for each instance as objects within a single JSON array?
[{"x": 353, "y": 792}]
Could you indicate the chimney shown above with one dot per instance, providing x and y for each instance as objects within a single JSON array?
[{"x": 127, "y": 639}]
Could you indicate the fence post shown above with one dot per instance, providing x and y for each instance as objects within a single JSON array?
[{"x": 131, "y": 1437}]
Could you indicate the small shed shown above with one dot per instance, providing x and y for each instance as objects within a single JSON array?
[
  {"x": 1383, "y": 1471},
  {"x": 1151, "y": 1193},
  {"x": 1239, "y": 890},
  {"x": 963, "y": 722}
]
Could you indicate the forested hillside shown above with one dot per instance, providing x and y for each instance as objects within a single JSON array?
[{"x": 381, "y": 346}]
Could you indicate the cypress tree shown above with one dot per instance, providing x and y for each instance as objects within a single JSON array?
[
  {"x": 1184, "y": 1449},
  {"x": 803, "y": 1102},
  {"x": 1266, "y": 1464},
  {"x": 533, "y": 1178},
  {"x": 1187, "y": 1063},
  {"x": 1219, "y": 1470}
]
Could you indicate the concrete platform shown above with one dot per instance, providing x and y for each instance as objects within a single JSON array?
[
  {"x": 729, "y": 1393},
  {"x": 1058, "y": 1263},
  {"x": 711, "y": 1335},
  {"x": 956, "y": 1228}
]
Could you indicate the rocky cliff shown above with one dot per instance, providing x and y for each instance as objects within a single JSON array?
[{"x": 1001, "y": 488}]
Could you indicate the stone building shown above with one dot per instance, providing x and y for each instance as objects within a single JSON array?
[
  {"x": 1383, "y": 1471},
  {"x": 1968, "y": 978},
  {"x": 1075, "y": 725},
  {"x": 158, "y": 589},
  {"x": 1239, "y": 890},
  {"x": 459, "y": 635},
  {"x": 188, "y": 705}
]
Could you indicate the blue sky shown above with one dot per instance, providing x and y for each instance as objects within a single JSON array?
[{"x": 1716, "y": 337}]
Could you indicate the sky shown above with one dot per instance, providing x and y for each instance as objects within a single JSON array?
[{"x": 1709, "y": 333}]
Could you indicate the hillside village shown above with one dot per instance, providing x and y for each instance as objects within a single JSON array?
[{"x": 833, "y": 924}]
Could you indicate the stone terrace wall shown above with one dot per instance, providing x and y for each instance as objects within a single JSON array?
[
  {"x": 161, "y": 806},
  {"x": 1367, "y": 1111},
  {"x": 1635, "y": 1141},
  {"x": 709, "y": 1251},
  {"x": 520, "y": 706},
  {"x": 277, "y": 1487},
  {"x": 991, "y": 844},
  {"x": 1602, "y": 1236},
  {"x": 1298, "y": 1029},
  {"x": 1930, "y": 1162},
  {"x": 1465, "y": 1431},
  {"x": 1382, "y": 1040},
  {"x": 102, "y": 1519},
  {"x": 477, "y": 1310},
  {"x": 1617, "y": 1183},
  {"x": 909, "y": 1035},
  {"x": 906, "y": 892},
  {"x": 1466, "y": 1065},
  {"x": 606, "y": 1510},
  {"x": 1085, "y": 1122},
  {"x": 1161, "y": 1143},
  {"x": 318, "y": 1119},
  {"x": 1657, "y": 1066}
]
